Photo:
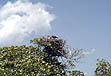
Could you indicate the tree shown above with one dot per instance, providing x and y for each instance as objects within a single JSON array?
[
  {"x": 26, "y": 61},
  {"x": 41, "y": 59},
  {"x": 103, "y": 68},
  {"x": 56, "y": 48}
]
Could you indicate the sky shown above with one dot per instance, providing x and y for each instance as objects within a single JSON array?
[{"x": 84, "y": 24}]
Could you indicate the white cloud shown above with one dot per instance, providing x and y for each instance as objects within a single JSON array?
[
  {"x": 88, "y": 52},
  {"x": 20, "y": 19}
]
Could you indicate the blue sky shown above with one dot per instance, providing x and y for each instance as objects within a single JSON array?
[{"x": 83, "y": 24}]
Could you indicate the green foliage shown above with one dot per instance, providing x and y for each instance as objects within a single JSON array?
[
  {"x": 103, "y": 68},
  {"x": 39, "y": 60},
  {"x": 77, "y": 73},
  {"x": 25, "y": 61}
]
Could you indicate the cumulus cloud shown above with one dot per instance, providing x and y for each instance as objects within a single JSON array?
[
  {"x": 20, "y": 19},
  {"x": 88, "y": 52}
]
